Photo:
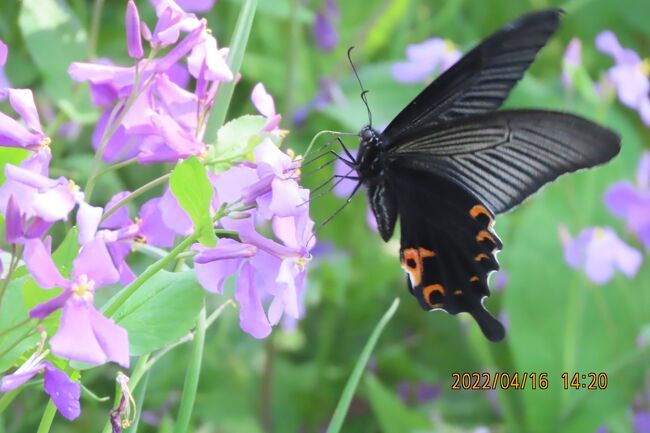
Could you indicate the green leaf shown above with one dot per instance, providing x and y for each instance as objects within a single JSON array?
[
  {"x": 391, "y": 413},
  {"x": 350, "y": 387},
  {"x": 235, "y": 141},
  {"x": 12, "y": 313},
  {"x": 162, "y": 311},
  {"x": 55, "y": 38},
  {"x": 11, "y": 155},
  {"x": 190, "y": 185},
  {"x": 237, "y": 44}
]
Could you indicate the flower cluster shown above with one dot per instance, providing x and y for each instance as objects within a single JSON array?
[
  {"x": 150, "y": 116},
  {"x": 425, "y": 58}
]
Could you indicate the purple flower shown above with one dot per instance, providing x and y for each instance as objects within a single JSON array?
[
  {"x": 18, "y": 227},
  {"x": 196, "y": 5},
  {"x": 64, "y": 392},
  {"x": 328, "y": 92},
  {"x": 423, "y": 59},
  {"x": 267, "y": 268},
  {"x": 50, "y": 199},
  {"x": 632, "y": 203},
  {"x": 13, "y": 133},
  {"x": 119, "y": 232},
  {"x": 133, "y": 34},
  {"x": 4, "y": 82},
  {"x": 263, "y": 101},
  {"x": 172, "y": 20},
  {"x": 84, "y": 334},
  {"x": 276, "y": 192},
  {"x": 324, "y": 28},
  {"x": 629, "y": 75},
  {"x": 600, "y": 252},
  {"x": 642, "y": 422},
  {"x": 571, "y": 61}
]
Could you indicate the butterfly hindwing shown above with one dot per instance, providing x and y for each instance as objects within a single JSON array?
[
  {"x": 482, "y": 79},
  {"x": 504, "y": 156},
  {"x": 448, "y": 246}
]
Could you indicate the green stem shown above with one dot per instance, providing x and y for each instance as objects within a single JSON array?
[
  {"x": 14, "y": 327},
  {"x": 48, "y": 417},
  {"x": 192, "y": 377},
  {"x": 120, "y": 298},
  {"x": 217, "y": 116},
  {"x": 94, "y": 28},
  {"x": 355, "y": 377},
  {"x": 13, "y": 264},
  {"x": 117, "y": 166},
  {"x": 138, "y": 192}
]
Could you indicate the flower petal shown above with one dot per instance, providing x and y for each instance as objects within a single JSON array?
[
  {"x": 88, "y": 218},
  {"x": 252, "y": 317},
  {"x": 40, "y": 265},
  {"x": 22, "y": 100},
  {"x": 113, "y": 339},
  {"x": 95, "y": 262},
  {"x": 64, "y": 392},
  {"x": 263, "y": 101},
  {"x": 75, "y": 339}
]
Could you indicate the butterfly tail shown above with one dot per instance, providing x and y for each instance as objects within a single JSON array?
[{"x": 491, "y": 327}]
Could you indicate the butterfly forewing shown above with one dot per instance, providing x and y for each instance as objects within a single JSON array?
[
  {"x": 504, "y": 156},
  {"x": 482, "y": 79}
]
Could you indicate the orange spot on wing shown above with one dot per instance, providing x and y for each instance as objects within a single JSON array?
[
  {"x": 478, "y": 210},
  {"x": 480, "y": 257},
  {"x": 483, "y": 235},
  {"x": 458, "y": 292},
  {"x": 474, "y": 279},
  {"x": 430, "y": 289},
  {"x": 412, "y": 263}
]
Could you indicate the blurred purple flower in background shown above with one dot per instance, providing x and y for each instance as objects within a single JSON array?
[
  {"x": 84, "y": 335},
  {"x": 629, "y": 74},
  {"x": 423, "y": 59},
  {"x": 571, "y": 61},
  {"x": 63, "y": 391},
  {"x": 632, "y": 202},
  {"x": 642, "y": 422},
  {"x": 12, "y": 132},
  {"x": 4, "y": 82},
  {"x": 599, "y": 252},
  {"x": 324, "y": 28},
  {"x": 328, "y": 92},
  {"x": 195, "y": 5}
]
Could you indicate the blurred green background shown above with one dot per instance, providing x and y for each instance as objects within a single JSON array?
[{"x": 557, "y": 320}]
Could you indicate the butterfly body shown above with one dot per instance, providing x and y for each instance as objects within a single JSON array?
[{"x": 450, "y": 161}]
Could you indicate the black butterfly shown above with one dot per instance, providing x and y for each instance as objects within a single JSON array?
[{"x": 449, "y": 162}]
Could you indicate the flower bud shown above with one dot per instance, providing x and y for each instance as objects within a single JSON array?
[{"x": 133, "y": 35}]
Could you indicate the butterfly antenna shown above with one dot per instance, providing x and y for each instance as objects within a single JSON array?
[{"x": 364, "y": 92}]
